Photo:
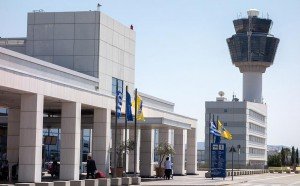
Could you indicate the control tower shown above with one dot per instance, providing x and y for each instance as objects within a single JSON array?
[{"x": 252, "y": 50}]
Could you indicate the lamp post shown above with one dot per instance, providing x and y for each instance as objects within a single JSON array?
[
  {"x": 232, "y": 150},
  {"x": 239, "y": 152}
]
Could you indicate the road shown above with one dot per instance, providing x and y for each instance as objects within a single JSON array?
[{"x": 247, "y": 180}]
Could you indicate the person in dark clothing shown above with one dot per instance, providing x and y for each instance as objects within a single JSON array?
[
  {"x": 90, "y": 167},
  {"x": 4, "y": 170},
  {"x": 55, "y": 169}
]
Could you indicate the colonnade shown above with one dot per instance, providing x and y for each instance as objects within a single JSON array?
[{"x": 25, "y": 136}]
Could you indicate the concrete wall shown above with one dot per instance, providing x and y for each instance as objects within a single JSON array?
[
  {"x": 69, "y": 39},
  {"x": 88, "y": 42}
]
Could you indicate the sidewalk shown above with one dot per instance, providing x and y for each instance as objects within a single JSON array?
[{"x": 193, "y": 180}]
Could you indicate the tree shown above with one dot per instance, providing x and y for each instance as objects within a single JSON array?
[
  {"x": 297, "y": 157},
  {"x": 293, "y": 157},
  {"x": 282, "y": 153},
  {"x": 121, "y": 151},
  {"x": 164, "y": 149},
  {"x": 274, "y": 160}
]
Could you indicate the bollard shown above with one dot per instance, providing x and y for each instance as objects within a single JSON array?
[
  {"x": 116, "y": 181},
  {"x": 25, "y": 184},
  {"x": 61, "y": 183},
  {"x": 136, "y": 180},
  {"x": 76, "y": 183},
  {"x": 104, "y": 182},
  {"x": 91, "y": 182},
  {"x": 44, "y": 184},
  {"x": 126, "y": 181}
]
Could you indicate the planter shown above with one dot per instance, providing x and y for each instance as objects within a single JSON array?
[
  {"x": 160, "y": 172},
  {"x": 119, "y": 171}
]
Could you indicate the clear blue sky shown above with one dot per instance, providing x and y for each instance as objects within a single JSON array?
[{"x": 182, "y": 55}]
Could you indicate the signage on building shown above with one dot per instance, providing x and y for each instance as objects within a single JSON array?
[{"x": 218, "y": 160}]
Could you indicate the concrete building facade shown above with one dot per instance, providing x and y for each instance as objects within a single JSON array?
[
  {"x": 247, "y": 122},
  {"x": 63, "y": 75}
]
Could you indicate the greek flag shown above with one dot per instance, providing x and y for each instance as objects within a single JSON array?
[
  {"x": 119, "y": 104},
  {"x": 213, "y": 129}
]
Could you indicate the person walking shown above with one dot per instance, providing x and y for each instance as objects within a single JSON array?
[
  {"x": 90, "y": 167},
  {"x": 168, "y": 168}
]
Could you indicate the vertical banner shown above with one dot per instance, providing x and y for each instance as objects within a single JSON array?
[{"x": 218, "y": 160}]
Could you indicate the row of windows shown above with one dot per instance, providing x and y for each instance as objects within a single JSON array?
[
  {"x": 117, "y": 82},
  {"x": 256, "y": 151},
  {"x": 257, "y": 139},
  {"x": 257, "y": 128},
  {"x": 256, "y": 115}
]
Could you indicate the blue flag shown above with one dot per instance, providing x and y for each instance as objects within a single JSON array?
[
  {"x": 129, "y": 116},
  {"x": 119, "y": 104}
]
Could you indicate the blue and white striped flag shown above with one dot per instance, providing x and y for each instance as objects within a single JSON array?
[
  {"x": 119, "y": 103},
  {"x": 213, "y": 129}
]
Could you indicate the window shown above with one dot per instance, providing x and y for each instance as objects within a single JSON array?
[
  {"x": 257, "y": 116},
  {"x": 114, "y": 85},
  {"x": 257, "y": 128},
  {"x": 257, "y": 151},
  {"x": 256, "y": 139},
  {"x": 225, "y": 110},
  {"x": 225, "y": 123}
]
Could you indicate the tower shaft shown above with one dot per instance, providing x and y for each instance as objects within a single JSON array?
[{"x": 252, "y": 86}]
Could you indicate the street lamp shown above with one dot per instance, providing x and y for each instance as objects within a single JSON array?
[
  {"x": 239, "y": 152},
  {"x": 232, "y": 150}
]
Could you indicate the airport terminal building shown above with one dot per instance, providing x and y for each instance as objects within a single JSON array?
[{"x": 63, "y": 76}]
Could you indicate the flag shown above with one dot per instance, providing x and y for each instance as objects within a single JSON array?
[
  {"x": 119, "y": 104},
  {"x": 139, "y": 114},
  {"x": 213, "y": 129},
  {"x": 224, "y": 132},
  {"x": 129, "y": 116}
]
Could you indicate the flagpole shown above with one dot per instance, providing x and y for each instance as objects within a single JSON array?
[
  {"x": 125, "y": 158},
  {"x": 217, "y": 126},
  {"x": 214, "y": 137},
  {"x": 135, "y": 140},
  {"x": 116, "y": 135},
  {"x": 209, "y": 156}
]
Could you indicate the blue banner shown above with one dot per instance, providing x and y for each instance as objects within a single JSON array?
[
  {"x": 129, "y": 116},
  {"x": 218, "y": 160}
]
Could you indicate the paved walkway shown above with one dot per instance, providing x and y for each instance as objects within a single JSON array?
[{"x": 267, "y": 179}]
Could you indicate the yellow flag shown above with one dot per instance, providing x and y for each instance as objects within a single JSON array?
[
  {"x": 139, "y": 115},
  {"x": 224, "y": 133}
]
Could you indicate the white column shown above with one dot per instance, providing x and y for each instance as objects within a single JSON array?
[
  {"x": 164, "y": 135},
  {"x": 70, "y": 141},
  {"x": 131, "y": 153},
  {"x": 147, "y": 152},
  {"x": 13, "y": 132},
  {"x": 179, "y": 147},
  {"x": 101, "y": 139},
  {"x": 191, "y": 154},
  {"x": 31, "y": 135}
]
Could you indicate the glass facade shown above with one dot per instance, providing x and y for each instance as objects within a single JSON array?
[
  {"x": 257, "y": 25},
  {"x": 262, "y": 46}
]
